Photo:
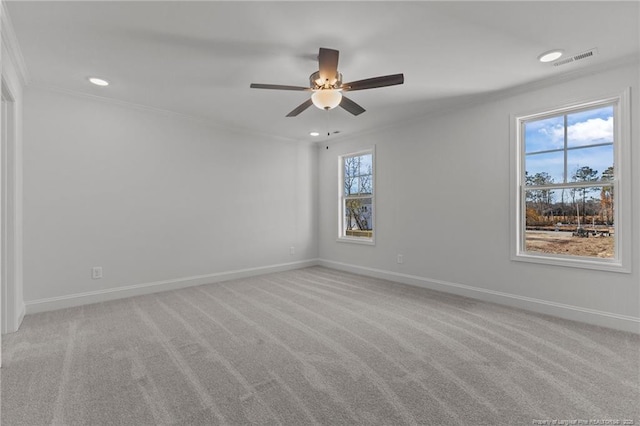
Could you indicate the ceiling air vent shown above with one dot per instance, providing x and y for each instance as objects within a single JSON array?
[{"x": 584, "y": 55}]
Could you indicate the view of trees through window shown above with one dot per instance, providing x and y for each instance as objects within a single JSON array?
[
  {"x": 569, "y": 181},
  {"x": 358, "y": 195}
]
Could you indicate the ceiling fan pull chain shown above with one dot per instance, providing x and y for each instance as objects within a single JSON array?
[{"x": 328, "y": 127}]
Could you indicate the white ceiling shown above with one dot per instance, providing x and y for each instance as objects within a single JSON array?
[{"x": 198, "y": 58}]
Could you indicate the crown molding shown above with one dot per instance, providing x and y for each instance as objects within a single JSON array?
[
  {"x": 10, "y": 43},
  {"x": 160, "y": 111},
  {"x": 566, "y": 76},
  {"x": 447, "y": 106}
]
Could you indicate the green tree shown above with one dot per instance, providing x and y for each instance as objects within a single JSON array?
[
  {"x": 606, "y": 195},
  {"x": 539, "y": 199},
  {"x": 584, "y": 174}
]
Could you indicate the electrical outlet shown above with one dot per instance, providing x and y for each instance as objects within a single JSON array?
[
  {"x": 96, "y": 272},
  {"x": 292, "y": 250},
  {"x": 400, "y": 259}
]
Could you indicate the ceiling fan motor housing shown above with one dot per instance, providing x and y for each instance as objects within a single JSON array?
[{"x": 316, "y": 83}]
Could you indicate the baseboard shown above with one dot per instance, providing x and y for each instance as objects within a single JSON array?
[
  {"x": 13, "y": 325},
  {"x": 21, "y": 314},
  {"x": 560, "y": 310},
  {"x": 78, "y": 299}
]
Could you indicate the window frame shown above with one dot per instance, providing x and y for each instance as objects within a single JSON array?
[
  {"x": 342, "y": 237},
  {"x": 621, "y": 184}
]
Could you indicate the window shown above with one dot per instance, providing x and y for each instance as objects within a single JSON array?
[
  {"x": 571, "y": 172},
  {"x": 356, "y": 196}
]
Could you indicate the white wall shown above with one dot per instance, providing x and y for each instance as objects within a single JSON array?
[
  {"x": 154, "y": 199},
  {"x": 442, "y": 200},
  {"x": 162, "y": 201}
]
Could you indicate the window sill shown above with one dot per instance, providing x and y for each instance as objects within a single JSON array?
[
  {"x": 352, "y": 240},
  {"x": 573, "y": 262}
]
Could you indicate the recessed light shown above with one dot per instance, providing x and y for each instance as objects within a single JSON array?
[
  {"x": 551, "y": 55},
  {"x": 314, "y": 134},
  {"x": 98, "y": 81}
]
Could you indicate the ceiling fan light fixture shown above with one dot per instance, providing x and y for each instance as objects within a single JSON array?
[{"x": 326, "y": 98}]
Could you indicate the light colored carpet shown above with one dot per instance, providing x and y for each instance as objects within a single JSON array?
[{"x": 313, "y": 347}]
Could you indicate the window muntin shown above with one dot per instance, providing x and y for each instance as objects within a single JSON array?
[
  {"x": 567, "y": 181},
  {"x": 357, "y": 197}
]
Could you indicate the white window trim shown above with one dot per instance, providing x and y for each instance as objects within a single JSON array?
[
  {"x": 622, "y": 185},
  {"x": 341, "y": 234}
]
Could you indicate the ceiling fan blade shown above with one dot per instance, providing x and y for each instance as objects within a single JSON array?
[
  {"x": 328, "y": 64},
  {"x": 278, "y": 87},
  {"x": 372, "y": 83},
  {"x": 351, "y": 106},
  {"x": 306, "y": 104}
]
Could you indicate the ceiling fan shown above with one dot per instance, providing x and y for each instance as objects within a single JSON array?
[{"x": 328, "y": 88}]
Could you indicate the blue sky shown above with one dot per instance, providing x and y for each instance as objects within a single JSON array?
[{"x": 584, "y": 128}]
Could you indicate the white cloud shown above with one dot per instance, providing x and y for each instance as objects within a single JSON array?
[
  {"x": 553, "y": 135},
  {"x": 594, "y": 130}
]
